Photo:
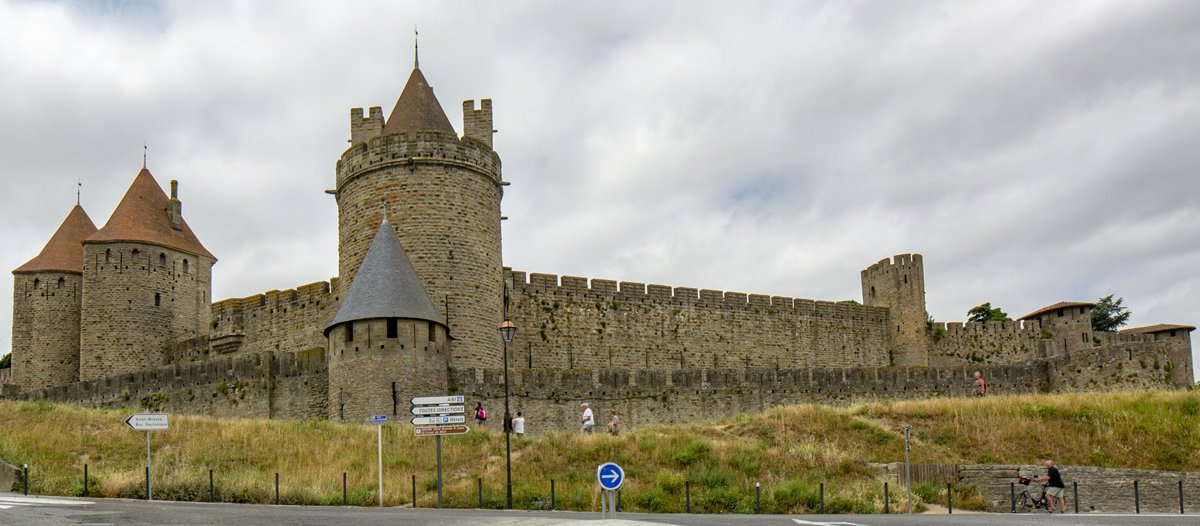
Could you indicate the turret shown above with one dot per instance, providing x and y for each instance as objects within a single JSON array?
[
  {"x": 899, "y": 285},
  {"x": 386, "y": 344},
  {"x": 147, "y": 282},
  {"x": 47, "y": 295},
  {"x": 1067, "y": 325},
  {"x": 443, "y": 194}
]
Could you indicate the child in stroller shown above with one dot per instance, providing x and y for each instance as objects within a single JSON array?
[{"x": 1032, "y": 497}]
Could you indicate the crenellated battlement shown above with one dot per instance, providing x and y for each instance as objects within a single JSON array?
[
  {"x": 957, "y": 329},
  {"x": 408, "y": 150},
  {"x": 477, "y": 123},
  {"x": 363, "y": 129}
]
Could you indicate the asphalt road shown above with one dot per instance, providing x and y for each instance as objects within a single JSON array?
[{"x": 47, "y": 511}]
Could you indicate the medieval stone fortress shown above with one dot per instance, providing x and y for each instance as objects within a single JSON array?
[{"x": 121, "y": 316}]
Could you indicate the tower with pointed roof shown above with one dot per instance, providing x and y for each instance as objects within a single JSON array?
[
  {"x": 387, "y": 343},
  {"x": 443, "y": 194},
  {"x": 47, "y": 296},
  {"x": 147, "y": 283}
]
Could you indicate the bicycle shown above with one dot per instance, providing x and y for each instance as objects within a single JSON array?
[{"x": 1036, "y": 498}]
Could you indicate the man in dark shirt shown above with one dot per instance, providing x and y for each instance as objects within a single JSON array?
[{"x": 1054, "y": 488}]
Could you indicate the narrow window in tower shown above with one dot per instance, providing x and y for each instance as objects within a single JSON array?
[
  {"x": 162, "y": 259},
  {"x": 350, "y": 332},
  {"x": 906, "y": 279},
  {"x": 1060, "y": 313},
  {"x": 1172, "y": 334},
  {"x": 391, "y": 328},
  {"x": 108, "y": 256},
  {"x": 37, "y": 283},
  {"x": 432, "y": 333},
  {"x": 872, "y": 291},
  {"x": 1084, "y": 335},
  {"x": 186, "y": 267},
  {"x": 61, "y": 283},
  {"x": 157, "y": 299},
  {"x": 395, "y": 399},
  {"x": 136, "y": 253}
]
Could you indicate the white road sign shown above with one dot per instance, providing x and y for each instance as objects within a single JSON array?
[
  {"x": 438, "y": 409},
  {"x": 434, "y": 400},
  {"x": 435, "y": 420},
  {"x": 148, "y": 421},
  {"x": 440, "y": 430}
]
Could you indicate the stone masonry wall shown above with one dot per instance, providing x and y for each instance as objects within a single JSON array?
[
  {"x": 371, "y": 373},
  {"x": 45, "y": 337},
  {"x": 288, "y": 321},
  {"x": 991, "y": 342},
  {"x": 264, "y": 385},
  {"x": 1100, "y": 489},
  {"x": 634, "y": 326},
  {"x": 137, "y": 300}
]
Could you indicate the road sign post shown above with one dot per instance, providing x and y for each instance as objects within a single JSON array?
[
  {"x": 436, "y": 416},
  {"x": 148, "y": 422},
  {"x": 610, "y": 476},
  {"x": 379, "y": 421}
]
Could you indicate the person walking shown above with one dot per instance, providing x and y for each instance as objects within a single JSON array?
[
  {"x": 588, "y": 421},
  {"x": 518, "y": 424},
  {"x": 614, "y": 423},
  {"x": 980, "y": 386},
  {"x": 480, "y": 414},
  {"x": 1054, "y": 488}
]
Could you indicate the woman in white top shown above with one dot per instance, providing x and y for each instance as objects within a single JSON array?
[{"x": 588, "y": 421}]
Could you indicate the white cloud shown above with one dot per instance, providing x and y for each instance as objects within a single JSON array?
[{"x": 1033, "y": 152}]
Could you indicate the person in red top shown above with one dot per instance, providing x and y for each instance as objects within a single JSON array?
[{"x": 980, "y": 385}]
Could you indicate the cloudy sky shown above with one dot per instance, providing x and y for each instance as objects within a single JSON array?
[{"x": 1033, "y": 152}]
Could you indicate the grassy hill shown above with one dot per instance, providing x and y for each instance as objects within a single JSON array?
[{"x": 790, "y": 450}]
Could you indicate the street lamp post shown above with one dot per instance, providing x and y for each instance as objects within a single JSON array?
[{"x": 507, "y": 330}]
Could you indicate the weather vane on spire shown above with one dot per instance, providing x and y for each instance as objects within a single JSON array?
[
  {"x": 145, "y": 151},
  {"x": 78, "y": 190},
  {"x": 416, "y": 49}
]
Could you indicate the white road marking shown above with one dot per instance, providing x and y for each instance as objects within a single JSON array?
[
  {"x": 810, "y": 523},
  {"x": 32, "y": 501}
]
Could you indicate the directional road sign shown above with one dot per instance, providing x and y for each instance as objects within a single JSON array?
[
  {"x": 436, "y": 420},
  {"x": 434, "y": 400},
  {"x": 378, "y": 419},
  {"x": 438, "y": 409},
  {"x": 148, "y": 421},
  {"x": 610, "y": 476},
  {"x": 441, "y": 430}
]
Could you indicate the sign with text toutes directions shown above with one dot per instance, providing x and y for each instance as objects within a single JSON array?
[
  {"x": 440, "y": 430},
  {"x": 437, "y": 400},
  {"x": 438, "y": 409},
  {"x": 438, "y": 420},
  {"x": 147, "y": 421}
]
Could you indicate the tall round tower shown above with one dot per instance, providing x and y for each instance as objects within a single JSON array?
[
  {"x": 147, "y": 283},
  {"x": 386, "y": 344},
  {"x": 47, "y": 296},
  {"x": 443, "y": 194}
]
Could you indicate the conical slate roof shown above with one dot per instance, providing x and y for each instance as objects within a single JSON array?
[
  {"x": 142, "y": 217},
  {"x": 417, "y": 109},
  {"x": 64, "y": 251},
  {"x": 386, "y": 286}
]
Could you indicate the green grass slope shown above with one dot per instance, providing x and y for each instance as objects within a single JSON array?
[{"x": 789, "y": 450}]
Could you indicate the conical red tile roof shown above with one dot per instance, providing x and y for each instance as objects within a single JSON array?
[
  {"x": 64, "y": 251},
  {"x": 417, "y": 109},
  {"x": 142, "y": 217}
]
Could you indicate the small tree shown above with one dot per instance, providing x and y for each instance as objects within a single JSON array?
[
  {"x": 6, "y": 361},
  {"x": 985, "y": 312},
  {"x": 1108, "y": 315}
]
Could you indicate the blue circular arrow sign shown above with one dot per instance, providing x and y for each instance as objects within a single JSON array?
[{"x": 610, "y": 476}]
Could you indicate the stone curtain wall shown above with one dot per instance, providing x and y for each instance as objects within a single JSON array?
[
  {"x": 1137, "y": 363},
  {"x": 264, "y": 385},
  {"x": 287, "y": 321},
  {"x": 1100, "y": 489},
  {"x": 605, "y": 325},
  {"x": 550, "y": 398},
  {"x": 988, "y": 343}
]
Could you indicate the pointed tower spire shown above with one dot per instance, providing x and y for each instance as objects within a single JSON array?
[
  {"x": 142, "y": 216},
  {"x": 417, "y": 109},
  {"x": 386, "y": 286},
  {"x": 64, "y": 251}
]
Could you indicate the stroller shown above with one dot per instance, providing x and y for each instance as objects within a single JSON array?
[{"x": 1034, "y": 497}]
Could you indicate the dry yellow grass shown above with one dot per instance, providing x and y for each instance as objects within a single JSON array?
[{"x": 790, "y": 450}]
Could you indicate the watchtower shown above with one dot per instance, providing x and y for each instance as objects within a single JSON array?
[
  {"x": 47, "y": 296},
  {"x": 443, "y": 194},
  {"x": 147, "y": 282},
  {"x": 386, "y": 344},
  {"x": 899, "y": 285}
]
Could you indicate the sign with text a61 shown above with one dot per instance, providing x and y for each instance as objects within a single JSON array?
[{"x": 148, "y": 421}]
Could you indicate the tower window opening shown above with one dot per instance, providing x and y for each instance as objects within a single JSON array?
[
  {"x": 136, "y": 253},
  {"x": 61, "y": 283},
  {"x": 1084, "y": 335},
  {"x": 162, "y": 259},
  {"x": 157, "y": 299},
  {"x": 108, "y": 255},
  {"x": 37, "y": 283},
  {"x": 906, "y": 279},
  {"x": 1060, "y": 313},
  {"x": 432, "y": 332},
  {"x": 872, "y": 291},
  {"x": 392, "y": 329},
  {"x": 350, "y": 332},
  {"x": 186, "y": 267}
]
